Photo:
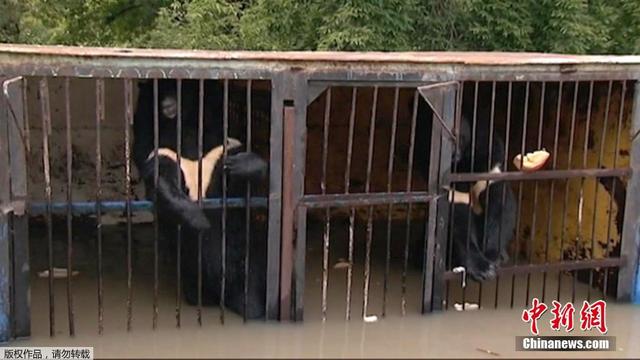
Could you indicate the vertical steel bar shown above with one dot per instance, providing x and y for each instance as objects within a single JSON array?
[
  {"x": 405, "y": 257},
  {"x": 566, "y": 186},
  {"x": 223, "y": 250},
  {"x": 523, "y": 144},
  {"x": 449, "y": 242},
  {"x": 585, "y": 148},
  {"x": 323, "y": 189},
  {"x": 156, "y": 172},
  {"x": 603, "y": 137},
  {"x": 200, "y": 233},
  {"x": 552, "y": 182},
  {"x": 288, "y": 210},
  {"x": 367, "y": 260},
  {"x": 352, "y": 214},
  {"x": 7, "y": 310},
  {"x": 503, "y": 197},
  {"x": 535, "y": 188},
  {"x": 18, "y": 142},
  {"x": 629, "y": 238},
  {"x": 615, "y": 163},
  {"x": 46, "y": 121},
  {"x": 99, "y": 121},
  {"x": 300, "y": 96},
  {"x": 392, "y": 146},
  {"x": 128, "y": 123},
  {"x": 67, "y": 107},
  {"x": 489, "y": 165},
  {"x": 179, "y": 226},
  {"x": 247, "y": 235},
  {"x": 507, "y": 140},
  {"x": 275, "y": 197},
  {"x": 472, "y": 164}
]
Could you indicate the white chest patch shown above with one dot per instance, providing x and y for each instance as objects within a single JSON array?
[{"x": 190, "y": 167}]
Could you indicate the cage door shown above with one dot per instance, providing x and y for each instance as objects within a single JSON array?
[
  {"x": 14, "y": 265},
  {"x": 443, "y": 99}
]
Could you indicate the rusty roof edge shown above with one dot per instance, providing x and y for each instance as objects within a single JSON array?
[{"x": 301, "y": 57}]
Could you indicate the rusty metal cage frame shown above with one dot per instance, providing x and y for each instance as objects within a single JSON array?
[{"x": 297, "y": 78}]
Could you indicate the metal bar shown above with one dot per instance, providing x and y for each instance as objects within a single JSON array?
[
  {"x": 18, "y": 145},
  {"x": 354, "y": 200},
  {"x": 275, "y": 199},
  {"x": 503, "y": 198},
  {"x": 6, "y": 312},
  {"x": 128, "y": 123},
  {"x": 46, "y": 121},
  {"x": 449, "y": 248},
  {"x": 603, "y": 138},
  {"x": 585, "y": 148},
  {"x": 439, "y": 212},
  {"x": 535, "y": 192},
  {"x": 367, "y": 187},
  {"x": 247, "y": 235},
  {"x": 352, "y": 213},
  {"x": 99, "y": 121},
  {"x": 223, "y": 250},
  {"x": 300, "y": 91},
  {"x": 67, "y": 106},
  {"x": 5, "y": 269},
  {"x": 323, "y": 189},
  {"x": 405, "y": 257},
  {"x": 489, "y": 163},
  {"x": 555, "y": 266},
  {"x": 630, "y": 241},
  {"x": 623, "y": 92},
  {"x": 474, "y": 128},
  {"x": 392, "y": 146},
  {"x": 523, "y": 144},
  {"x": 179, "y": 226},
  {"x": 506, "y": 152},
  {"x": 200, "y": 232},
  {"x": 566, "y": 186},
  {"x": 286, "y": 252},
  {"x": 88, "y": 207},
  {"x": 540, "y": 175},
  {"x": 156, "y": 173}
]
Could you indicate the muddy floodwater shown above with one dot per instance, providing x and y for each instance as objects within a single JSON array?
[{"x": 488, "y": 332}]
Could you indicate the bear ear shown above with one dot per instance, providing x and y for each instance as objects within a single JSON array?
[{"x": 169, "y": 106}]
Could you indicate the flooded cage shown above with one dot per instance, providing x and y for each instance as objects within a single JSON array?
[{"x": 354, "y": 219}]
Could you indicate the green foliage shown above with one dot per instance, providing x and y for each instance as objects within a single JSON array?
[
  {"x": 10, "y": 12},
  {"x": 196, "y": 24},
  {"x": 570, "y": 26}
]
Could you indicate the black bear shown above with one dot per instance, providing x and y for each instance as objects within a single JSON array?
[
  {"x": 484, "y": 219},
  {"x": 177, "y": 191}
]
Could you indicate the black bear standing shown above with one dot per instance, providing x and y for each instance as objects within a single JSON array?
[
  {"x": 481, "y": 236},
  {"x": 177, "y": 193}
]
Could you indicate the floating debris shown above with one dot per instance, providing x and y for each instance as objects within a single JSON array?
[
  {"x": 58, "y": 273},
  {"x": 370, "y": 318},
  {"x": 342, "y": 264},
  {"x": 487, "y": 351},
  {"x": 467, "y": 306}
]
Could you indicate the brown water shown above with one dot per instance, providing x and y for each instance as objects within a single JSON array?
[{"x": 482, "y": 333}]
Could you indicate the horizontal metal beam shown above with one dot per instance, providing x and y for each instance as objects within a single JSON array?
[
  {"x": 351, "y": 66},
  {"x": 344, "y": 200},
  {"x": 89, "y": 207},
  {"x": 540, "y": 175},
  {"x": 555, "y": 266}
]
